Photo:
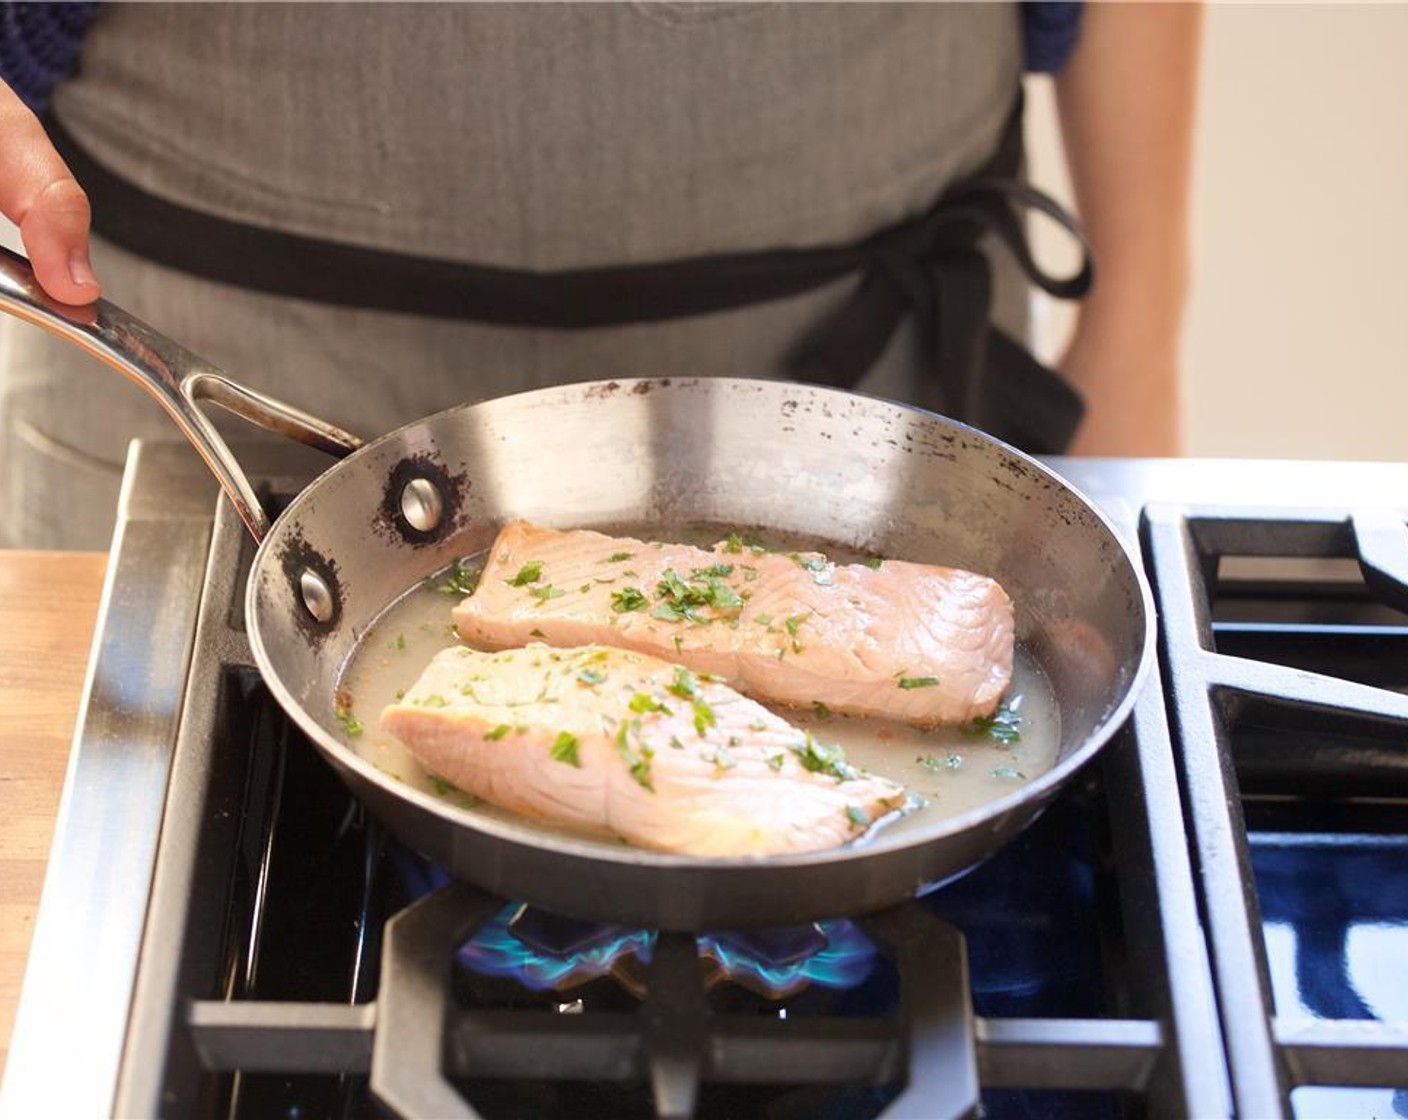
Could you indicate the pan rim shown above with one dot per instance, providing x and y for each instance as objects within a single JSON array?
[{"x": 567, "y": 846}]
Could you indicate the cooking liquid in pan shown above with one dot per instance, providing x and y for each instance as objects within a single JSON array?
[{"x": 951, "y": 769}]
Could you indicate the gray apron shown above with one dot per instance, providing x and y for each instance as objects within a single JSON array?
[{"x": 532, "y": 136}]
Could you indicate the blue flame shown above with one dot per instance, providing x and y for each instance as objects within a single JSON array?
[
  {"x": 844, "y": 962},
  {"x": 496, "y": 951}
]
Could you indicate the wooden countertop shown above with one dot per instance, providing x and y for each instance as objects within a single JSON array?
[{"x": 48, "y": 605}]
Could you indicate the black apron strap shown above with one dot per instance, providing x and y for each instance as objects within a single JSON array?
[
  {"x": 929, "y": 267},
  {"x": 934, "y": 269}
]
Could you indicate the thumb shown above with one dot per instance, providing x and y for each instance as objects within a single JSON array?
[{"x": 40, "y": 195}]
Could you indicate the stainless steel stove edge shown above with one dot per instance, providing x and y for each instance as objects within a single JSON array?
[{"x": 78, "y": 983}]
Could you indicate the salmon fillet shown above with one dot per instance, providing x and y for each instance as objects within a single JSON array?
[
  {"x": 617, "y": 741},
  {"x": 898, "y": 640}
]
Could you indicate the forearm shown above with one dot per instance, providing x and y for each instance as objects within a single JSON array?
[{"x": 1126, "y": 102}]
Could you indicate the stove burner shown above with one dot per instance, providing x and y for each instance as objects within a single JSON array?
[
  {"x": 550, "y": 952},
  {"x": 561, "y": 937},
  {"x": 774, "y": 948},
  {"x": 780, "y": 962},
  {"x": 546, "y": 952}
]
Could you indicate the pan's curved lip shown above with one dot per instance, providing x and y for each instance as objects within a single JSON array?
[{"x": 1035, "y": 792}]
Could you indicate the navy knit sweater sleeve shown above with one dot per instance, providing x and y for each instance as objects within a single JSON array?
[
  {"x": 39, "y": 45},
  {"x": 1050, "y": 29}
]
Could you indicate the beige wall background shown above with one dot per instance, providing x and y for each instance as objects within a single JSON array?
[
  {"x": 1295, "y": 338},
  {"x": 1295, "y": 341}
]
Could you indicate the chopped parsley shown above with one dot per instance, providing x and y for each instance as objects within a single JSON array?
[
  {"x": 873, "y": 562},
  {"x": 628, "y": 599},
  {"x": 815, "y": 562},
  {"x": 856, "y": 815},
  {"x": 792, "y": 625},
  {"x": 821, "y": 710},
  {"x": 929, "y": 762},
  {"x": 775, "y": 761},
  {"x": 918, "y": 682},
  {"x": 617, "y": 557},
  {"x": 638, "y": 762},
  {"x": 723, "y": 760},
  {"x": 1001, "y": 727},
  {"x": 818, "y": 758},
  {"x": 685, "y": 685},
  {"x": 564, "y": 749},
  {"x": 722, "y": 597},
  {"x": 350, "y": 723},
  {"x": 737, "y": 543},
  {"x": 675, "y": 742},
  {"x": 536, "y": 633},
  {"x": 434, "y": 700},
  {"x": 642, "y": 702},
  {"x": 704, "y": 717},
  {"x": 461, "y": 579},
  {"x": 440, "y": 785},
  {"x": 399, "y": 642},
  {"x": 497, "y": 733},
  {"x": 531, "y": 572},
  {"x": 591, "y": 676},
  {"x": 546, "y": 592},
  {"x": 681, "y": 600}
]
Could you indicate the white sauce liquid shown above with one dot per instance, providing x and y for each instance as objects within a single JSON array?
[{"x": 950, "y": 769}]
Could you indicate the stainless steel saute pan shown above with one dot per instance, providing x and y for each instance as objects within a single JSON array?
[{"x": 822, "y": 464}]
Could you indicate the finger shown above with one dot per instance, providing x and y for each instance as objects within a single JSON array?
[{"x": 41, "y": 196}]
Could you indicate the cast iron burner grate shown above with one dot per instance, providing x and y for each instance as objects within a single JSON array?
[{"x": 1293, "y": 745}]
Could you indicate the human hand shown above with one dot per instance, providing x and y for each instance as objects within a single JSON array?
[{"x": 40, "y": 195}]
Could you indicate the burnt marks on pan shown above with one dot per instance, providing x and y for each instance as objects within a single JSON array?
[
  {"x": 423, "y": 502},
  {"x": 316, "y": 587},
  {"x": 601, "y": 390}
]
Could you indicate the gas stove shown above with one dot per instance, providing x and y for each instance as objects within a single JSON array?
[{"x": 1210, "y": 922}]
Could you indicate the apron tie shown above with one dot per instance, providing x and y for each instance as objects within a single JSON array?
[{"x": 933, "y": 269}]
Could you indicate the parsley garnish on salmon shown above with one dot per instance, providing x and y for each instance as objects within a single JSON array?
[
  {"x": 564, "y": 749},
  {"x": 628, "y": 599},
  {"x": 531, "y": 572}
]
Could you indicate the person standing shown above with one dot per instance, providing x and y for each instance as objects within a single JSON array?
[{"x": 378, "y": 211}]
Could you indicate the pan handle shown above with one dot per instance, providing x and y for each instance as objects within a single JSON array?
[{"x": 177, "y": 378}]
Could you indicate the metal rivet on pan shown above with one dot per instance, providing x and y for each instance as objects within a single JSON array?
[
  {"x": 317, "y": 599},
  {"x": 421, "y": 505}
]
